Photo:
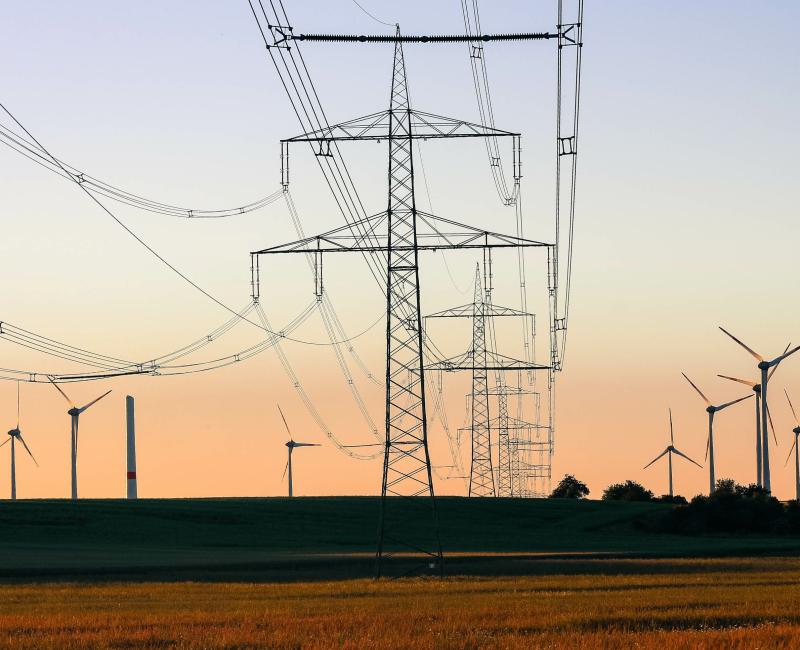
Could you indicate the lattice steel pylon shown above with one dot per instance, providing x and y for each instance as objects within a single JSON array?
[
  {"x": 481, "y": 359},
  {"x": 408, "y": 520},
  {"x": 481, "y": 475},
  {"x": 505, "y": 454},
  {"x": 407, "y": 463}
]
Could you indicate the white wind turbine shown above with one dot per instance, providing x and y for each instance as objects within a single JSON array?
[
  {"x": 764, "y": 366},
  {"x": 14, "y": 435},
  {"x": 796, "y": 432},
  {"x": 290, "y": 445},
  {"x": 75, "y": 414},
  {"x": 711, "y": 410},
  {"x": 668, "y": 452}
]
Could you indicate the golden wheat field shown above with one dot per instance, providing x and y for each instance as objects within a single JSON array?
[{"x": 731, "y": 603}]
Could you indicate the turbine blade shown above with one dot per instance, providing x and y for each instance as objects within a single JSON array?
[
  {"x": 671, "y": 436},
  {"x": 736, "y": 401},
  {"x": 307, "y": 444},
  {"x": 775, "y": 367},
  {"x": 775, "y": 362},
  {"x": 680, "y": 453},
  {"x": 705, "y": 399},
  {"x": 666, "y": 451},
  {"x": 791, "y": 449},
  {"x": 741, "y": 381},
  {"x": 285, "y": 470},
  {"x": 772, "y": 426},
  {"x": 58, "y": 388},
  {"x": 791, "y": 407},
  {"x": 5, "y": 442},
  {"x": 708, "y": 444},
  {"x": 24, "y": 444},
  {"x": 284, "y": 421},
  {"x": 94, "y": 401},
  {"x": 750, "y": 350}
]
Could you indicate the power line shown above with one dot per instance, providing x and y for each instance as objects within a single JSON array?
[
  {"x": 152, "y": 251},
  {"x": 377, "y": 20},
  {"x": 32, "y": 151}
]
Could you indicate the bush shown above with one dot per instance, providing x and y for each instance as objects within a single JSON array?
[
  {"x": 734, "y": 508},
  {"x": 627, "y": 491},
  {"x": 676, "y": 499},
  {"x": 570, "y": 488}
]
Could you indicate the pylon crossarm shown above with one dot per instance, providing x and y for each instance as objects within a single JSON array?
[
  {"x": 495, "y": 361},
  {"x": 376, "y": 127},
  {"x": 465, "y": 311},
  {"x": 439, "y": 234}
]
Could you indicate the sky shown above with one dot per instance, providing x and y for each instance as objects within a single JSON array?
[{"x": 686, "y": 220}]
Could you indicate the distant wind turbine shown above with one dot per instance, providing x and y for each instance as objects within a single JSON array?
[
  {"x": 14, "y": 435},
  {"x": 711, "y": 410},
  {"x": 74, "y": 414},
  {"x": 756, "y": 386},
  {"x": 764, "y": 366},
  {"x": 668, "y": 452},
  {"x": 796, "y": 432},
  {"x": 291, "y": 445}
]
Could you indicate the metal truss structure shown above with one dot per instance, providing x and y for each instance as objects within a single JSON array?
[
  {"x": 481, "y": 359},
  {"x": 399, "y": 234}
]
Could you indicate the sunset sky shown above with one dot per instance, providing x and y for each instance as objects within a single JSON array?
[{"x": 687, "y": 219}]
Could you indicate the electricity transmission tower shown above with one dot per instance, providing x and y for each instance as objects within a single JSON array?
[
  {"x": 481, "y": 359},
  {"x": 397, "y": 235}
]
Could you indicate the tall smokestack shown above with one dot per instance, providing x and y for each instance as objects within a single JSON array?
[{"x": 131, "y": 448}]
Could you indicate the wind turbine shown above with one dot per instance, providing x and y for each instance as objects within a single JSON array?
[
  {"x": 669, "y": 451},
  {"x": 14, "y": 435},
  {"x": 291, "y": 445},
  {"x": 796, "y": 432},
  {"x": 75, "y": 414},
  {"x": 756, "y": 387},
  {"x": 764, "y": 366},
  {"x": 711, "y": 410}
]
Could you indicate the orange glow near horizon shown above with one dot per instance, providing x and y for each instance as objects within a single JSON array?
[{"x": 686, "y": 220}]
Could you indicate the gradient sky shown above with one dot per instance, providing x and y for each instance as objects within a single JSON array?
[{"x": 687, "y": 219}]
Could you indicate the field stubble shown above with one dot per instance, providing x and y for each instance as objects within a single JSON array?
[{"x": 730, "y": 603}]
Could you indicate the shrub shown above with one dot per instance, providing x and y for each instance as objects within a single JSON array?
[
  {"x": 733, "y": 508},
  {"x": 627, "y": 491},
  {"x": 570, "y": 488}
]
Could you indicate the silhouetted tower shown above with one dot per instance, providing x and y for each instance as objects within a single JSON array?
[
  {"x": 481, "y": 475},
  {"x": 408, "y": 524},
  {"x": 505, "y": 454},
  {"x": 407, "y": 464}
]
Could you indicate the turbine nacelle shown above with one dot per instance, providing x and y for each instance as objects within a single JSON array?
[{"x": 16, "y": 433}]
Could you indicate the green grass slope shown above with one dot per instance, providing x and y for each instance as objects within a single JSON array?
[{"x": 199, "y": 538}]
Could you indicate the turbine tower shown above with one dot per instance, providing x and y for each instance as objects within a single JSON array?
[
  {"x": 668, "y": 452},
  {"x": 756, "y": 387},
  {"x": 14, "y": 435},
  {"x": 796, "y": 432},
  {"x": 291, "y": 445},
  {"x": 75, "y": 414},
  {"x": 712, "y": 410},
  {"x": 764, "y": 367}
]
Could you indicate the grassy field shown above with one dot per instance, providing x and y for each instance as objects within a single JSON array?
[
  {"x": 280, "y": 573},
  {"x": 323, "y": 538},
  {"x": 592, "y": 604}
]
